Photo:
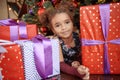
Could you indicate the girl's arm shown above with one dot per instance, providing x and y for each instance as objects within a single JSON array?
[{"x": 67, "y": 68}]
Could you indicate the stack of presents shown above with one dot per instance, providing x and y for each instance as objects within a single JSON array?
[{"x": 31, "y": 56}]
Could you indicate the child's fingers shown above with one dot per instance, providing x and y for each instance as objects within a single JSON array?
[
  {"x": 81, "y": 70},
  {"x": 82, "y": 67},
  {"x": 86, "y": 77},
  {"x": 87, "y": 69}
]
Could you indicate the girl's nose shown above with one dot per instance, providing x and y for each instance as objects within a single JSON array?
[{"x": 63, "y": 27}]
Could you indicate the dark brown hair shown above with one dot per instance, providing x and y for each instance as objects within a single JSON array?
[{"x": 63, "y": 6}]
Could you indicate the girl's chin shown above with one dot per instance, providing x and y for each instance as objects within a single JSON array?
[{"x": 66, "y": 37}]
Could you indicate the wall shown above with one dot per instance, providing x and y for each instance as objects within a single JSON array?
[{"x": 5, "y": 10}]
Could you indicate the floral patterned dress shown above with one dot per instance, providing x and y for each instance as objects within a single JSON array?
[{"x": 71, "y": 54}]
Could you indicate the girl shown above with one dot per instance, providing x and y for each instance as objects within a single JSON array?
[{"x": 60, "y": 21}]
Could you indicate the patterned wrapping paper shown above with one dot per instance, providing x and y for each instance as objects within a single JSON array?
[
  {"x": 28, "y": 57},
  {"x": 55, "y": 54},
  {"x": 29, "y": 61},
  {"x": 93, "y": 41},
  {"x": 11, "y": 30},
  {"x": 11, "y": 64}
]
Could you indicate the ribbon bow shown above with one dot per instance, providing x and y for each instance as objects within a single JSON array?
[{"x": 43, "y": 55}]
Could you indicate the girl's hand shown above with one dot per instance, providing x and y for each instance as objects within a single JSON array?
[
  {"x": 84, "y": 71},
  {"x": 87, "y": 76},
  {"x": 75, "y": 64}
]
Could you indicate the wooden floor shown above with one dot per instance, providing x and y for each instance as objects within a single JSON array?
[{"x": 92, "y": 77}]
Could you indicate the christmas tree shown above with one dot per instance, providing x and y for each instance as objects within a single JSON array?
[{"x": 36, "y": 7}]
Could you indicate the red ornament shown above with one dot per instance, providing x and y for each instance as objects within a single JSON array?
[
  {"x": 41, "y": 10},
  {"x": 55, "y": 2},
  {"x": 75, "y": 4},
  {"x": 39, "y": 4},
  {"x": 43, "y": 29}
]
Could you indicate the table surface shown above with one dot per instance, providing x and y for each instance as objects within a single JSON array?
[{"x": 63, "y": 76}]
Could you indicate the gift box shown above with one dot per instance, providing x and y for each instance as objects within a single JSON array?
[
  {"x": 41, "y": 58},
  {"x": 100, "y": 36},
  {"x": 11, "y": 65},
  {"x": 12, "y": 30}
]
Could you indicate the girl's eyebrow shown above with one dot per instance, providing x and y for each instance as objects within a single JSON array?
[
  {"x": 57, "y": 23},
  {"x": 67, "y": 19}
]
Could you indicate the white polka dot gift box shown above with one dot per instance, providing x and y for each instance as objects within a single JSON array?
[
  {"x": 11, "y": 63},
  {"x": 100, "y": 37},
  {"x": 41, "y": 57}
]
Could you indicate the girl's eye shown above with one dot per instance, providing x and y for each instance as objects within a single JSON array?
[
  {"x": 67, "y": 22},
  {"x": 57, "y": 25}
]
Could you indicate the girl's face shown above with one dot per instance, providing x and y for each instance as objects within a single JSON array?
[{"x": 62, "y": 25}]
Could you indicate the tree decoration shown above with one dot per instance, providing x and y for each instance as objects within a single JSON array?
[
  {"x": 31, "y": 12},
  {"x": 101, "y": 1},
  {"x": 75, "y": 3},
  {"x": 40, "y": 11},
  {"x": 30, "y": 2},
  {"x": 43, "y": 29},
  {"x": 55, "y": 2},
  {"x": 47, "y": 4},
  {"x": 116, "y": 0}
]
